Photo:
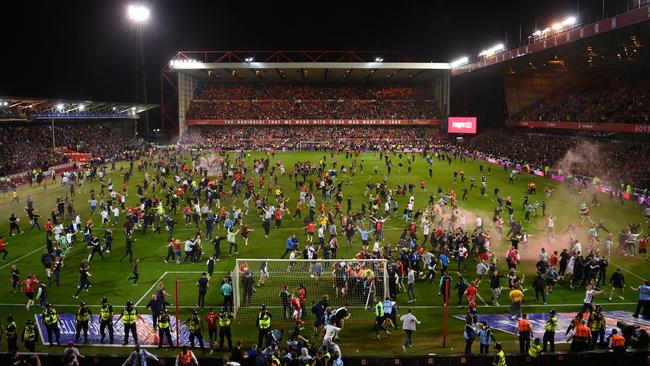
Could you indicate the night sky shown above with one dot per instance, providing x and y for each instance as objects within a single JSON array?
[{"x": 87, "y": 49}]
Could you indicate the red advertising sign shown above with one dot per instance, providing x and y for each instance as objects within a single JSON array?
[
  {"x": 311, "y": 122},
  {"x": 607, "y": 127},
  {"x": 461, "y": 125}
]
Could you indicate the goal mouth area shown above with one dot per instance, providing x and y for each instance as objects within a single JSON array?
[{"x": 337, "y": 282}]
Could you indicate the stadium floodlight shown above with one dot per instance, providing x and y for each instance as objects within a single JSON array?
[
  {"x": 492, "y": 50},
  {"x": 133, "y": 109},
  {"x": 379, "y": 59},
  {"x": 138, "y": 13},
  {"x": 569, "y": 21},
  {"x": 59, "y": 107},
  {"x": 249, "y": 59},
  {"x": 5, "y": 103},
  {"x": 460, "y": 62},
  {"x": 537, "y": 33},
  {"x": 556, "y": 27},
  {"x": 82, "y": 107}
]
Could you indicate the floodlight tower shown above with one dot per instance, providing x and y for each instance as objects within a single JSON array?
[{"x": 138, "y": 15}]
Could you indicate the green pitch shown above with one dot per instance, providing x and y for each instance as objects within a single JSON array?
[{"x": 109, "y": 276}]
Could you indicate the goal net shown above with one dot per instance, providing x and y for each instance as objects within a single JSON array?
[{"x": 271, "y": 282}]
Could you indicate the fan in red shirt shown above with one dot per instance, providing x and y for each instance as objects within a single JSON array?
[
  {"x": 470, "y": 292},
  {"x": 29, "y": 285},
  {"x": 2, "y": 247},
  {"x": 212, "y": 318},
  {"x": 553, "y": 260},
  {"x": 297, "y": 308}
]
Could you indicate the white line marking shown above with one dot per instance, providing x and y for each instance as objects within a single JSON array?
[
  {"x": 151, "y": 288},
  {"x": 477, "y": 294},
  {"x": 628, "y": 271},
  {"x": 26, "y": 255}
]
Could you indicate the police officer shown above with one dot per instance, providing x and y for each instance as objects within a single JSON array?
[
  {"x": 52, "y": 323},
  {"x": 535, "y": 349},
  {"x": 499, "y": 357},
  {"x": 82, "y": 318},
  {"x": 225, "y": 319},
  {"x": 263, "y": 325},
  {"x": 164, "y": 329},
  {"x": 12, "y": 334},
  {"x": 549, "y": 333},
  {"x": 128, "y": 317},
  {"x": 597, "y": 326},
  {"x": 379, "y": 318},
  {"x": 196, "y": 326},
  {"x": 106, "y": 320},
  {"x": 29, "y": 336}
]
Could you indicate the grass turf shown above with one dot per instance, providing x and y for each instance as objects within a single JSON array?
[{"x": 109, "y": 276}]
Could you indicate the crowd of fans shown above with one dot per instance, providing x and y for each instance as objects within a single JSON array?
[
  {"x": 311, "y": 137},
  {"x": 618, "y": 99},
  {"x": 607, "y": 159},
  {"x": 311, "y": 100},
  {"x": 28, "y": 148}
]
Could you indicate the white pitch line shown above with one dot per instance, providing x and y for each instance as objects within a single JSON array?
[
  {"x": 19, "y": 258},
  {"x": 628, "y": 271},
  {"x": 477, "y": 294},
  {"x": 151, "y": 288}
]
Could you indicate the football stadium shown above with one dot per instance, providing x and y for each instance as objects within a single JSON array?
[{"x": 193, "y": 184}]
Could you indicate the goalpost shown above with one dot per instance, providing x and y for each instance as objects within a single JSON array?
[{"x": 259, "y": 282}]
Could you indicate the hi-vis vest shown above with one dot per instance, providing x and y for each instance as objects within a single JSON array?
[
  {"x": 618, "y": 340},
  {"x": 551, "y": 324},
  {"x": 128, "y": 317},
  {"x": 581, "y": 332},
  {"x": 224, "y": 320},
  {"x": 596, "y": 323},
  {"x": 82, "y": 316},
  {"x": 51, "y": 318},
  {"x": 534, "y": 349},
  {"x": 379, "y": 309},
  {"x": 163, "y": 321},
  {"x": 105, "y": 312},
  {"x": 195, "y": 325},
  {"x": 30, "y": 336},
  {"x": 185, "y": 358},
  {"x": 264, "y": 321},
  {"x": 502, "y": 358}
]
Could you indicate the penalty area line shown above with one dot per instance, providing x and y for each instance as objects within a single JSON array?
[{"x": 151, "y": 288}]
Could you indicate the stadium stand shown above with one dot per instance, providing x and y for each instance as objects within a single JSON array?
[
  {"x": 27, "y": 148},
  {"x": 620, "y": 98},
  {"x": 542, "y": 151},
  {"x": 312, "y": 100},
  {"x": 312, "y": 137}
]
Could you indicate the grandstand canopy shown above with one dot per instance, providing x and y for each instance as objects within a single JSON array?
[
  {"x": 303, "y": 65},
  {"x": 26, "y": 109},
  {"x": 619, "y": 41}
]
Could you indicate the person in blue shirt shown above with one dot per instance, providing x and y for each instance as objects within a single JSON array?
[
  {"x": 444, "y": 261},
  {"x": 139, "y": 357},
  {"x": 288, "y": 247},
  {"x": 390, "y": 311},
  {"x": 644, "y": 299},
  {"x": 364, "y": 236},
  {"x": 485, "y": 337}
]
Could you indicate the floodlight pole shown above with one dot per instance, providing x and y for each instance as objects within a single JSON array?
[
  {"x": 53, "y": 140},
  {"x": 144, "y": 79}
]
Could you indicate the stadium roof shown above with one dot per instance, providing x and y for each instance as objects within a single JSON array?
[
  {"x": 621, "y": 40},
  {"x": 303, "y": 65},
  {"x": 26, "y": 109}
]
